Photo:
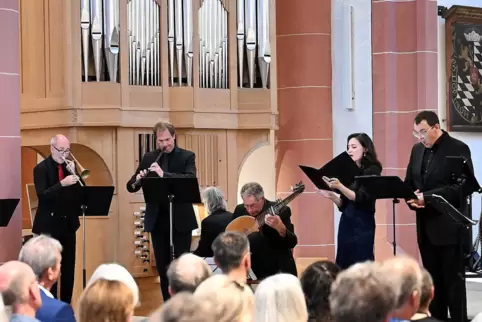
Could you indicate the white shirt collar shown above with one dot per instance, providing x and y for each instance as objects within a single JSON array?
[{"x": 47, "y": 292}]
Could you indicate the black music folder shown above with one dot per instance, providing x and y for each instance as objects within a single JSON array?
[
  {"x": 444, "y": 207},
  {"x": 7, "y": 208},
  {"x": 386, "y": 187},
  {"x": 341, "y": 167},
  {"x": 183, "y": 189}
]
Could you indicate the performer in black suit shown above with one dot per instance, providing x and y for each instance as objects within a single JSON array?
[
  {"x": 214, "y": 224},
  {"x": 51, "y": 176},
  {"x": 272, "y": 247},
  {"x": 175, "y": 162},
  {"x": 429, "y": 172}
]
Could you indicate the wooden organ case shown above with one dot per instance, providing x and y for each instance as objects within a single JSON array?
[{"x": 102, "y": 72}]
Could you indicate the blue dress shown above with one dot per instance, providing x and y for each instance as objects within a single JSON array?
[{"x": 356, "y": 231}]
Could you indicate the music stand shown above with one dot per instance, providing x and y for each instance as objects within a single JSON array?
[
  {"x": 446, "y": 209},
  {"x": 171, "y": 191},
  {"x": 341, "y": 167},
  {"x": 93, "y": 201},
  {"x": 387, "y": 187},
  {"x": 7, "y": 208}
]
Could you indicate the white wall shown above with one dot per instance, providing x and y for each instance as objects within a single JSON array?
[
  {"x": 358, "y": 119},
  {"x": 259, "y": 167},
  {"x": 473, "y": 140}
]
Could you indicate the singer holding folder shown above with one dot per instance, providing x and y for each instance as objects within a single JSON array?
[
  {"x": 168, "y": 161},
  {"x": 429, "y": 172},
  {"x": 356, "y": 231}
]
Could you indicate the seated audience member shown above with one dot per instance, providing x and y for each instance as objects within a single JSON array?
[
  {"x": 280, "y": 298},
  {"x": 216, "y": 221},
  {"x": 116, "y": 272},
  {"x": 186, "y": 273},
  {"x": 407, "y": 274},
  {"x": 230, "y": 301},
  {"x": 231, "y": 255},
  {"x": 362, "y": 293},
  {"x": 184, "y": 307},
  {"x": 316, "y": 282},
  {"x": 106, "y": 301},
  {"x": 423, "y": 314},
  {"x": 43, "y": 254},
  {"x": 20, "y": 291}
]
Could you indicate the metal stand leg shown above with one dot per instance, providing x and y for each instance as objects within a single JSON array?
[
  {"x": 394, "y": 202},
  {"x": 171, "y": 237},
  {"x": 84, "y": 274}
]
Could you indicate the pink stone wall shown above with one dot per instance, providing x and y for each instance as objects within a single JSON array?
[
  {"x": 404, "y": 42},
  {"x": 303, "y": 34},
  {"x": 10, "y": 169}
]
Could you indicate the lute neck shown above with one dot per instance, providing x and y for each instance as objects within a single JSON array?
[{"x": 276, "y": 207}]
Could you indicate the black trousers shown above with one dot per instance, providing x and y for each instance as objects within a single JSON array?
[
  {"x": 67, "y": 269},
  {"x": 161, "y": 244},
  {"x": 446, "y": 265}
]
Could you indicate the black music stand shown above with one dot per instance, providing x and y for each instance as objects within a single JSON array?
[
  {"x": 464, "y": 223},
  {"x": 171, "y": 191},
  {"x": 93, "y": 201},
  {"x": 387, "y": 187},
  {"x": 7, "y": 208},
  {"x": 341, "y": 167}
]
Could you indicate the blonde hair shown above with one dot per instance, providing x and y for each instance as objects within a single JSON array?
[
  {"x": 280, "y": 298},
  {"x": 233, "y": 302},
  {"x": 106, "y": 301}
]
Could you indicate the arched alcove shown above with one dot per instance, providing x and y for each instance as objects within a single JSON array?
[{"x": 258, "y": 165}]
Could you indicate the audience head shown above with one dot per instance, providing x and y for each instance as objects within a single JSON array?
[
  {"x": 231, "y": 252},
  {"x": 253, "y": 197},
  {"x": 213, "y": 200},
  {"x": 426, "y": 128},
  {"x": 406, "y": 273},
  {"x": 43, "y": 254},
  {"x": 186, "y": 273},
  {"x": 361, "y": 149},
  {"x": 280, "y": 298},
  {"x": 116, "y": 272},
  {"x": 427, "y": 293},
  {"x": 184, "y": 307},
  {"x": 316, "y": 283},
  {"x": 230, "y": 300},
  {"x": 19, "y": 288},
  {"x": 362, "y": 293},
  {"x": 106, "y": 300}
]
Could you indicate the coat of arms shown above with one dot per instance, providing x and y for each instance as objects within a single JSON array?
[{"x": 466, "y": 77}]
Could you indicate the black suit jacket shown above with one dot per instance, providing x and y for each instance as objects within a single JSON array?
[
  {"x": 432, "y": 226},
  {"x": 182, "y": 163},
  {"x": 211, "y": 227},
  {"x": 53, "y": 217},
  {"x": 271, "y": 253}
]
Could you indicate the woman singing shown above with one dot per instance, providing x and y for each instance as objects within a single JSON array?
[{"x": 356, "y": 231}]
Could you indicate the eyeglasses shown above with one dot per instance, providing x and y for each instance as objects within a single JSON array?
[
  {"x": 64, "y": 152},
  {"x": 422, "y": 134}
]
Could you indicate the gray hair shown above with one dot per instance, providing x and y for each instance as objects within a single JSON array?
[
  {"x": 187, "y": 272},
  {"x": 229, "y": 248},
  {"x": 40, "y": 253},
  {"x": 252, "y": 189},
  {"x": 362, "y": 293},
  {"x": 213, "y": 200}
]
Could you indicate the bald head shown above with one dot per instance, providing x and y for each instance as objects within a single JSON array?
[
  {"x": 187, "y": 272},
  {"x": 59, "y": 139},
  {"x": 406, "y": 274},
  {"x": 59, "y": 148},
  {"x": 17, "y": 278}
]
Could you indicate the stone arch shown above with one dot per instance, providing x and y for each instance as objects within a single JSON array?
[{"x": 258, "y": 165}]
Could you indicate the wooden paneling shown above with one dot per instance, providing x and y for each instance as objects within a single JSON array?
[{"x": 29, "y": 161}]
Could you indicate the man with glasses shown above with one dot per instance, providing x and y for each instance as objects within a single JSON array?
[
  {"x": 51, "y": 176},
  {"x": 429, "y": 172}
]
